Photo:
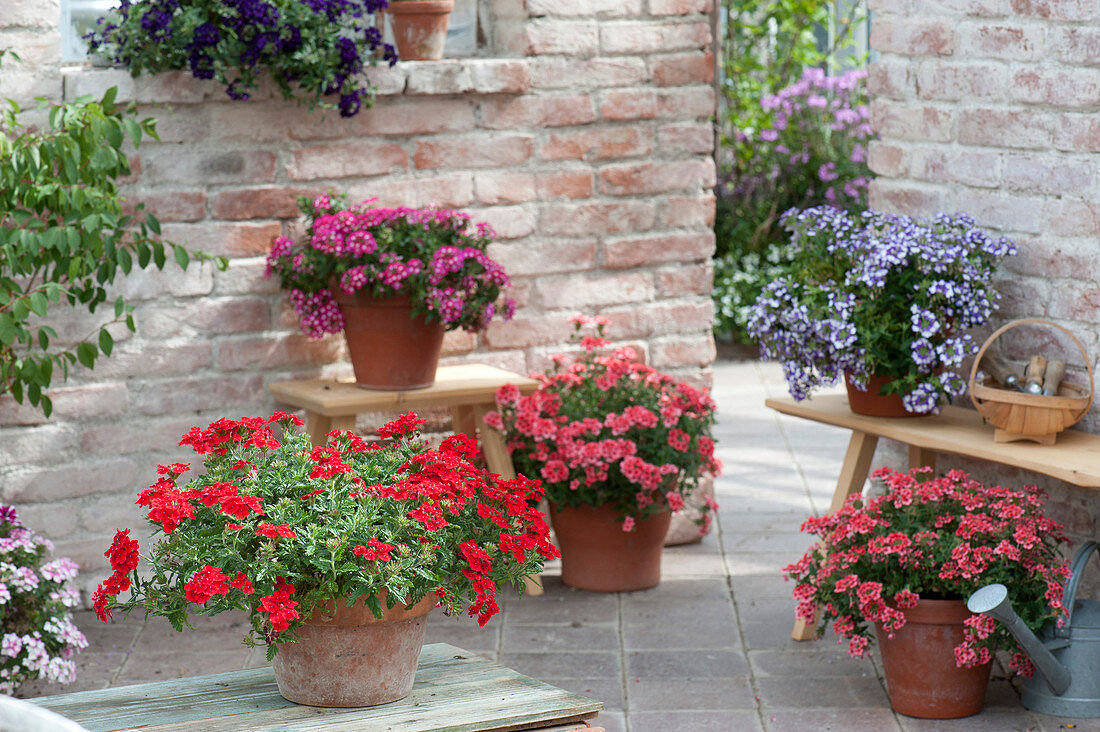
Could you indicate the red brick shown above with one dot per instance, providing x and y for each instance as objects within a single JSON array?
[
  {"x": 239, "y": 122},
  {"x": 1072, "y": 217},
  {"x": 1071, "y": 10},
  {"x": 560, "y": 111},
  {"x": 245, "y": 277},
  {"x": 1076, "y": 45},
  {"x": 564, "y": 184},
  {"x": 598, "y": 144},
  {"x": 628, "y": 179},
  {"x": 972, "y": 168},
  {"x": 51, "y": 519},
  {"x": 953, "y": 82},
  {"x": 582, "y": 219},
  {"x": 887, "y": 160},
  {"x": 509, "y": 222},
  {"x": 890, "y": 78},
  {"x": 1077, "y": 132},
  {"x": 357, "y": 158},
  {"x": 258, "y": 203},
  {"x": 1022, "y": 298},
  {"x": 1048, "y": 174},
  {"x": 458, "y": 342},
  {"x": 454, "y": 190},
  {"x": 524, "y": 332},
  {"x": 914, "y": 36},
  {"x": 27, "y": 13},
  {"x": 556, "y": 72},
  {"x": 88, "y": 401},
  {"x": 473, "y": 151},
  {"x": 38, "y": 443},
  {"x": 135, "y": 435},
  {"x": 174, "y": 166},
  {"x": 540, "y": 257},
  {"x": 1004, "y": 128},
  {"x": 158, "y": 359},
  {"x": 673, "y": 318},
  {"x": 220, "y": 315},
  {"x": 1023, "y": 342},
  {"x": 568, "y": 37},
  {"x": 57, "y": 483},
  {"x": 686, "y": 139},
  {"x": 276, "y": 352},
  {"x": 1073, "y": 301},
  {"x": 1052, "y": 258},
  {"x": 898, "y": 197},
  {"x": 897, "y": 7},
  {"x": 397, "y": 116},
  {"x": 1076, "y": 88},
  {"x": 699, "y": 351},
  {"x": 976, "y": 8},
  {"x": 1012, "y": 43},
  {"x": 504, "y": 187},
  {"x": 643, "y": 251},
  {"x": 510, "y": 360},
  {"x": 538, "y": 111},
  {"x": 682, "y": 68},
  {"x": 594, "y": 289},
  {"x": 653, "y": 36},
  {"x": 221, "y": 392},
  {"x": 910, "y": 122},
  {"x": 678, "y": 7},
  {"x": 1002, "y": 211},
  {"x": 481, "y": 76},
  {"x": 690, "y": 102},
  {"x": 230, "y": 240},
  {"x": 634, "y": 104},
  {"x": 689, "y": 211},
  {"x": 602, "y": 8},
  {"x": 171, "y": 205},
  {"x": 148, "y": 284}
]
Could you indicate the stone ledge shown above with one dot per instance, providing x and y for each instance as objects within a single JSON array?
[{"x": 448, "y": 76}]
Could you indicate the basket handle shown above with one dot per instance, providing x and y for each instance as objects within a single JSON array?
[{"x": 1009, "y": 326}]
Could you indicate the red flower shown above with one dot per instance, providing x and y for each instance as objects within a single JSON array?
[
  {"x": 284, "y": 417},
  {"x": 478, "y": 559},
  {"x": 238, "y": 506},
  {"x": 174, "y": 469},
  {"x": 375, "y": 549},
  {"x": 101, "y": 604},
  {"x": 279, "y": 606},
  {"x": 404, "y": 425},
  {"x": 275, "y": 530},
  {"x": 243, "y": 583},
  {"x": 206, "y": 583},
  {"x": 123, "y": 553}
]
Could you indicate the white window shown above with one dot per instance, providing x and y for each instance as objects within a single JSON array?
[{"x": 78, "y": 17}]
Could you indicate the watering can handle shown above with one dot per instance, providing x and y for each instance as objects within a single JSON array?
[{"x": 1076, "y": 570}]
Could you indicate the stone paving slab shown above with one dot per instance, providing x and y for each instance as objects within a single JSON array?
[{"x": 708, "y": 649}]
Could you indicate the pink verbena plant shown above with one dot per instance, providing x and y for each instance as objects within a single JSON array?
[
  {"x": 277, "y": 528},
  {"x": 609, "y": 430},
  {"x": 935, "y": 538},
  {"x": 436, "y": 257},
  {"x": 38, "y": 638}
]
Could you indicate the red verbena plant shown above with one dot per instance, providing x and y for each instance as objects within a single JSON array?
[
  {"x": 277, "y": 527},
  {"x": 935, "y": 538},
  {"x": 610, "y": 430}
]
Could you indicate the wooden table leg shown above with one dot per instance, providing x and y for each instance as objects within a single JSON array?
[
  {"x": 318, "y": 426},
  {"x": 922, "y": 457},
  {"x": 463, "y": 420},
  {"x": 853, "y": 474}
]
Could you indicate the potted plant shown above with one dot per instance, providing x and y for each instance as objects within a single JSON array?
[
  {"x": 293, "y": 41},
  {"x": 419, "y": 27},
  {"x": 905, "y": 561},
  {"x": 337, "y": 552},
  {"x": 393, "y": 280},
  {"x": 884, "y": 301},
  {"x": 618, "y": 446},
  {"x": 38, "y": 638}
]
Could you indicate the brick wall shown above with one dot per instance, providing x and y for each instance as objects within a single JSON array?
[
  {"x": 582, "y": 134},
  {"x": 990, "y": 107}
]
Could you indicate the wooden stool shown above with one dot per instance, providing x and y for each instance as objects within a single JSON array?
[{"x": 469, "y": 390}]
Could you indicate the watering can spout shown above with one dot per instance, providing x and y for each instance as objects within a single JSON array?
[{"x": 992, "y": 600}]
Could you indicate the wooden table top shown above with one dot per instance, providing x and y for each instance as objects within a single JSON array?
[
  {"x": 454, "y": 691},
  {"x": 454, "y": 385},
  {"x": 1074, "y": 457}
]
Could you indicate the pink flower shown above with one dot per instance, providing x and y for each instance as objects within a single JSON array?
[{"x": 628, "y": 524}]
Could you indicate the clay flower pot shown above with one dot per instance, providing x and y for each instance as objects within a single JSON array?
[
  {"x": 346, "y": 657},
  {"x": 596, "y": 554},
  {"x": 919, "y": 663},
  {"x": 419, "y": 28},
  {"x": 874, "y": 404},
  {"x": 390, "y": 350}
]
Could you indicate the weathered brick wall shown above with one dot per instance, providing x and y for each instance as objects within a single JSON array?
[
  {"x": 990, "y": 107},
  {"x": 582, "y": 134}
]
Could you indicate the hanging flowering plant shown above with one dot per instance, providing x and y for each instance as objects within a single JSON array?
[
  {"x": 38, "y": 638},
  {"x": 434, "y": 256},
  {"x": 941, "y": 538},
  {"x": 878, "y": 294},
  {"x": 277, "y": 527},
  {"x": 608, "y": 430},
  {"x": 311, "y": 47}
]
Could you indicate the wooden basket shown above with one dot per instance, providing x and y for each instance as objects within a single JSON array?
[{"x": 1020, "y": 416}]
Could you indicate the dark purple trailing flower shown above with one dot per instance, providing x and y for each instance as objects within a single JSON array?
[
  {"x": 202, "y": 66},
  {"x": 350, "y": 103},
  {"x": 206, "y": 35},
  {"x": 235, "y": 93}
]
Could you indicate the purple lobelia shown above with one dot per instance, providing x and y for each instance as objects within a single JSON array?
[{"x": 879, "y": 294}]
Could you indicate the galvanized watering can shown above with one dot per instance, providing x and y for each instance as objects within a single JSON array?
[{"x": 1067, "y": 658}]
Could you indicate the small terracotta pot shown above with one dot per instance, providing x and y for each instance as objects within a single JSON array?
[
  {"x": 919, "y": 663},
  {"x": 419, "y": 27},
  {"x": 872, "y": 403},
  {"x": 596, "y": 554},
  {"x": 346, "y": 657},
  {"x": 390, "y": 350}
]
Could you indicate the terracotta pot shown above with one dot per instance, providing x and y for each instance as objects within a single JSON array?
[
  {"x": 919, "y": 662},
  {"x": 348, "y": 658},
  {"x": 596, "y": 554},
  {"x": 419, "y": 28},
  {"x": 390, "y": 350},
  {"x": 874, "y": 404}
]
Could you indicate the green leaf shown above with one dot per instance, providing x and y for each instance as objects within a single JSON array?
[
  {"x": 86, "y": 353},
  {"x": 133, "y": 129},
  {"x": 182, "y": 258},
  {"x": 120, "y": 306},
  {"x": 152, "y": 223},
  {"x": 7, "y": 329},
  {"x": 106, "y": 342},
  {"x": 46, "y": 405},
  {"x": 39, "y": 304},
  {"x": 108, "y": 100}
]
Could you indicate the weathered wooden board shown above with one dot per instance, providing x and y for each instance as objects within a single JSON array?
[
  {"x": 1074, "y": 458},
  {"x": 455, "y": 691}
]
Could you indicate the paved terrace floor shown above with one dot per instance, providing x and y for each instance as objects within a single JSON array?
[{"x": 706, "y": 650}]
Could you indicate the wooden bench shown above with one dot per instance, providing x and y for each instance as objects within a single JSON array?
[
  {"x": 1074, "y": 458},
  {"x": 454, "y": 691}
]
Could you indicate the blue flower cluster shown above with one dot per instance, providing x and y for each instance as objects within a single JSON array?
[
  {"x": 311, "y": 45},
  {"x": 877, "y": 293}
]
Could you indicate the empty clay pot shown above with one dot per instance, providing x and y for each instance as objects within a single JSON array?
[
  {"x": 419, "y": 28},
  {"x": 596, "y": 554}
]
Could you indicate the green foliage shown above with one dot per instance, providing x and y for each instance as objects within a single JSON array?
[{"x": 65, "y": 236}]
